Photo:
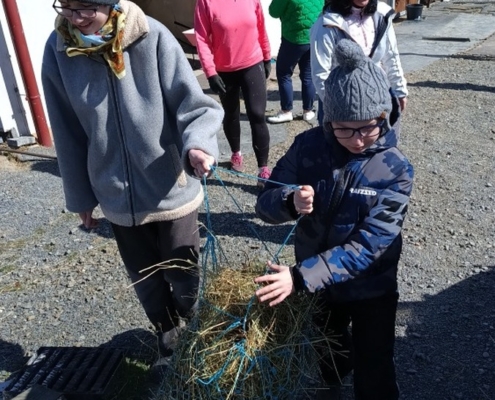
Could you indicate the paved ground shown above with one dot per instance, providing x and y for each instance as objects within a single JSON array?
[{"x": 446, "y": 29}]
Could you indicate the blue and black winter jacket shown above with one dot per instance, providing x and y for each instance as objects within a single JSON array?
[{"x": 350, "y": 245}]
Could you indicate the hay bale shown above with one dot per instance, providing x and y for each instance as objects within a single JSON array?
[{"x": 238, "y": 348}]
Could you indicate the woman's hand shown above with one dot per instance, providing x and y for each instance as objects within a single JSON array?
[
  {"x": 279, "y": 284},
  {"x": 87, "y": 219},
  {"x": 303, "y": 199},
  {"x": 402, "y": 103},
  {"x": 201, "y": 162}
]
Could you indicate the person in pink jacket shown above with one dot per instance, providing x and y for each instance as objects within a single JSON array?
[{"x": 234, "y": 51}]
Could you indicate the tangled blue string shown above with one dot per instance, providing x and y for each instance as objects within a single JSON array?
[
  {"x": 234, "y": 200},
  {"x": 209, "y": 256}
]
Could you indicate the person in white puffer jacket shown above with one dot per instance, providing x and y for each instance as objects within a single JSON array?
[{"x": 368, "y": 23}]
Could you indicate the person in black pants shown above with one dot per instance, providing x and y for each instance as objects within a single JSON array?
[
  {"x": 234, "y": 51},
  {"x": 253, "y": 85}
]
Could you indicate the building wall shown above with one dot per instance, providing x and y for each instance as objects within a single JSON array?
[{"x": 37, "y": 20}]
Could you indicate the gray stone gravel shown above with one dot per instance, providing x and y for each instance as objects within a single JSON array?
[{"x": 63, "y": 286}]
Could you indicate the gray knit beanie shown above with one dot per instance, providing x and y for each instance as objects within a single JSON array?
[{"x": 357, "y": 89}]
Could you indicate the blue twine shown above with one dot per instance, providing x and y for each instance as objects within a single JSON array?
[
  {"x": 214, "y": 170},
  {"x": 239, "y": 350}
]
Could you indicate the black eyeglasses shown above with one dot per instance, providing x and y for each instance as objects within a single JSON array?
[
  {"x": 364, "y": 131},
  {"x": 80, "y": 12}
]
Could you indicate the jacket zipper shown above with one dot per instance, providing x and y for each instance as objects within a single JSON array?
[{"x": 127, "y": 166}]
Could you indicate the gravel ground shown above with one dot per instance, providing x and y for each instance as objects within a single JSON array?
[{"x": 63, "y": 286}]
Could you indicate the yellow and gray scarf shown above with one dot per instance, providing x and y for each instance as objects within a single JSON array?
[{"x": 107, "y": 41}]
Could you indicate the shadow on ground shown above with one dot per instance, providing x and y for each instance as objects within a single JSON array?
[
  {"x": 47, "y": 167},
  {"x": 453, "y": 86},
  {"x": 451, "y": 354}
]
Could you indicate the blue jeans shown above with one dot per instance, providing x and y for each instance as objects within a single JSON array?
[{"x": 290, "y": 55}]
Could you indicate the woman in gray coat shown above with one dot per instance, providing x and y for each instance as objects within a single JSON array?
[{"x": 133, "y": 132}]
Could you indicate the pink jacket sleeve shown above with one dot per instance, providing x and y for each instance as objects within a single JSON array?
[{"x": 202, "y": 30}]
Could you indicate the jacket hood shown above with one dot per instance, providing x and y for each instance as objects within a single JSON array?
[
  {"x": 136, "y": 25},
  {"x": 329, "y": 18}
]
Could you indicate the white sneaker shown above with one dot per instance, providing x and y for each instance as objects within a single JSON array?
[
  {"x": 280, "y": 117},
  {"x": 308, "y": 115}
]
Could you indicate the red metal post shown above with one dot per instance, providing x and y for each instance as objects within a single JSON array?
[{"x": 26, "y": 67}]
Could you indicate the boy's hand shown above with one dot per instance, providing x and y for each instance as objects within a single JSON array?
[
  {"x": 201, "y": 162},
  {"x": 280, "y": 285},
  {"x": 303, "y": 199},
  {"x": 87, "y": 219}
]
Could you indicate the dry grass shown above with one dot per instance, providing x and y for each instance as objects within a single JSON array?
[{"x": 238, "y": 348}]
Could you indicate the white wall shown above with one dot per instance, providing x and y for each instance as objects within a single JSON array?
[
  {"x": 37, "y": 19},
  {"x": 273, "y": 28}
]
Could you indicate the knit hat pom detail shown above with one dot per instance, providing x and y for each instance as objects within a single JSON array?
[
  {"x": 349, "y": 55},
  {"x": 356, "y": 89}
]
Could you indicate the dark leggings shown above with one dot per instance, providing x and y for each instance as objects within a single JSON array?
[{"x": 252, "y": 82}]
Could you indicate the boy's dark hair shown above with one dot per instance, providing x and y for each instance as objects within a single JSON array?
[{"x": 343, "y": 7}]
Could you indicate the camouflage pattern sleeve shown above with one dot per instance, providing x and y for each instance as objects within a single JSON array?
[{"x": 363, "y": 248}]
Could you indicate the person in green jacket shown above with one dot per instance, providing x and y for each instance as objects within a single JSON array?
[{"x": 297, "y": 17}]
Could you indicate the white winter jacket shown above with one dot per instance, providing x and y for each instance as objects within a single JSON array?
[{"x": 330, "y": 27}]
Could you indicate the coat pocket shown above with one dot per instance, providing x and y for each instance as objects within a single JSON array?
[{"x": 180, "y": 174}]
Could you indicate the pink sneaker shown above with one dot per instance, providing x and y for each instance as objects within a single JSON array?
[
  {"x": 236, "y": 162},
  {"x": 263, "y": 175}
]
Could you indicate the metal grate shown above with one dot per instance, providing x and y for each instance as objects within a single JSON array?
[{"x": 80, "y": 373}]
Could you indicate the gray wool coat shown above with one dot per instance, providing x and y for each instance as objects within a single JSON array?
[{"x": 123, "y": 144}]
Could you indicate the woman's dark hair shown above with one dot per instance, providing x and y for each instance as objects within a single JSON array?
[{"x": 343, "y": 7}]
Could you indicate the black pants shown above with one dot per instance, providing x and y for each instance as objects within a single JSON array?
[
  {"x": 252, "y": 82},
  {"x": 167, "y": 293},
  {"x": 368, "y": 348}
]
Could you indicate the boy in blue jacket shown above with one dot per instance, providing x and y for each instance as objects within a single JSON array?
[{"x": 352, "y": 192}]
